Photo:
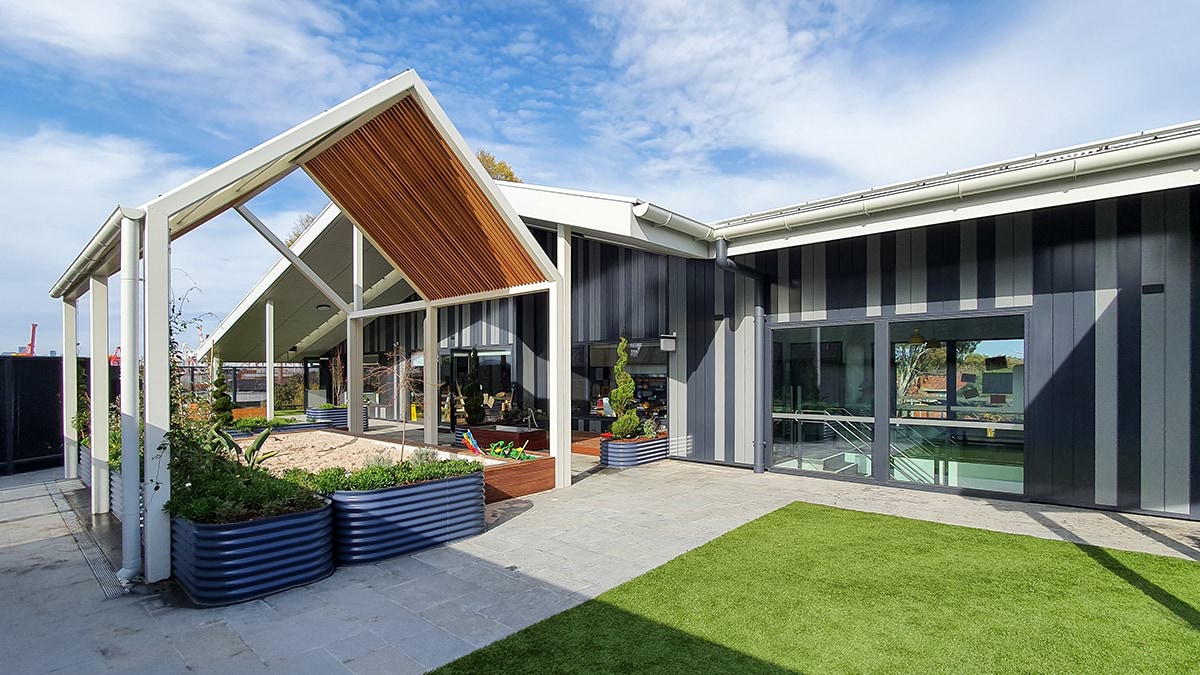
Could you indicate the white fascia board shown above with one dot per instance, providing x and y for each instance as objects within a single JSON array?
[
  {"x": 462, "y": 151},
  {"x": 601, "y": 217},
  {"x": 260, "y": 289},
  {"x": 357, "y": 109},
  {"x": 1184, "y": 172}
]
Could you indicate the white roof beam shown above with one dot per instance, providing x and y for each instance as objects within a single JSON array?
[{"x": 286, "y": 252}]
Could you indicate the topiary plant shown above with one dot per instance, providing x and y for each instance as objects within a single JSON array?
[
  {"x": 222, "y": 403},
  {"x": 627, "y": 424},
  {"x": 473, "y": 392}
]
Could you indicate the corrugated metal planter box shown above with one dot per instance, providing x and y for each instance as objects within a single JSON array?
[
  {"x": 335, "y": 416},
  {"x": 233, "y": 562},
  {"x": 616, "y": 453},
  {"x": 370, "y": 525}
]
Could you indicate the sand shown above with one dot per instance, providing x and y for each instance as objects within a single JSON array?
[{"x": 316, "y": 450}]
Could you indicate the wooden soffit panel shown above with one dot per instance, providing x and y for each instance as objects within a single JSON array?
[{"x": 400, "y": 181}]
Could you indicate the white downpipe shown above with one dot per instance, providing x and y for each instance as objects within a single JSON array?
[
  {"x": 269, "y": 338},
  {"x": 1000, "y": 179},
  {"x": 354, "y": 340},
  {"x": 99, "y": 392},
  {"x": 664, "y": 218},
  {"x": 131, "y": 414}
]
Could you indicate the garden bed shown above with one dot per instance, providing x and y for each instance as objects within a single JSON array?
[
  {"x": 221, "y": 564},
  {"x": 621, "y": 453},
  {"x": 518, "y": 478},
  {"x": 531, "y": 439}
]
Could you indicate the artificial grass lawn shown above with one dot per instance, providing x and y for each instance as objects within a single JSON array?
[{"x": 817, "y": 589}]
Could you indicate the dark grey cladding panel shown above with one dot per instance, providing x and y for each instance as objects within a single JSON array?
[
  {"x": 1047, "y": 263},
  {"x": 616, "y": 291}
]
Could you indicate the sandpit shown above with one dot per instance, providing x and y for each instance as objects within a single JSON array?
[{"x": 317, "y": 450}]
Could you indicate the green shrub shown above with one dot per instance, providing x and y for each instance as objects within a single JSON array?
[
  {"x": 330, "y": 406},
  {"x": 252, "y": 423},
  {"x": 378, "y": 476},
  {"x": 222, "y": 403},
  {"x": 627, "y": 424}
]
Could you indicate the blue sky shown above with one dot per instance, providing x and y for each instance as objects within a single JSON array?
[{"x": 709, "y": 108}]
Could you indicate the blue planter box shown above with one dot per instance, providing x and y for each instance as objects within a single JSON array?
[
  {"x": 334, "y": 416},
  {"x": 233, "y": 562},
  {"x": 614, "y": 453},
  {"x": 370, "y": 525}
]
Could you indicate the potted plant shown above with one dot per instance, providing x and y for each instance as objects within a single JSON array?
[
  {"x": 630, "y": 440},
  {"x": 384, "y": 510},
  {"x": 237, "y": 532}
]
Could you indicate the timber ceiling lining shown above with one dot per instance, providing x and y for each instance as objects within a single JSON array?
[{"x": 402, "y": 183}]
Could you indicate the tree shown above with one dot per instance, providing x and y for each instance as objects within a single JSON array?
[
  {"x": 337, "y": 373},
  {"x": 497, "y": 169},
  {"x": 473, "y": 391},
  {"x": 627, "y": 424},
  {"x": 222, "y": 403},
  {"x": 303, "y": 221}
]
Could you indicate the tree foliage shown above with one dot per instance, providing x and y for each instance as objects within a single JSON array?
[
  {"x": 627, "y": 424},
  {"x": 299, "y": 227},
  {"x": 222, "y": 402},
  {"x": 498, "y": 169}
]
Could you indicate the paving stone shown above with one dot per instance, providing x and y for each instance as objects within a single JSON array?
[
  {"x": 212, "y": 642},
  {"x": 312, "y": 662},
  {"x": 407, "y": 568},
  {"x": 355, "y": 646},
  {"x": 311, "y": 629},
  {"x": 466, "y": 624},
  {"x": 360, "y": 602},
  {"x": 423, "y": 593},
  {"x": 431, "y": 647},
  {"x": 384, "y": 661},
  {"x": 296, "y": 601}
]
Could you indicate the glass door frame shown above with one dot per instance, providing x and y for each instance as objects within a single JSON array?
[{"x": 884, "y": 395}]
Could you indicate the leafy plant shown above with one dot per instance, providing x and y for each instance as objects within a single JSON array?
[
  {"x": 252, "y": 423},
  {"x": 650, "y": 427},
  {"x": 528, "y": 415},
  {"x": 331, "y": 406},
  {"x": 376, "y": 477},
  {"x": 627, "y": 424},
  {"x": 222, "y": 403},
  {"x": 421, "y": 456},
  {"x": 473, "y": 391}
]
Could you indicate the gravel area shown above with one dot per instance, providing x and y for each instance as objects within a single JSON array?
[{"x": 316, "y": 450}]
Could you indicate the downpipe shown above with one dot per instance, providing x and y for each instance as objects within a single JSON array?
[
  {"x": 760, "y": 357},
  {"x": 131, "y": 478}
]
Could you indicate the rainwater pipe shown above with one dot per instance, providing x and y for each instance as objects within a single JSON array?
[
  {"x": 760, "y": 354},
  {"x": 131, "y": 465}
]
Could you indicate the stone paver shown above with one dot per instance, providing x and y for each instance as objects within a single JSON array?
[{"x": 540, "y": 555}]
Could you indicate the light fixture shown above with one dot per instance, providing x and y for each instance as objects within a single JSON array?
[
  {"x": 934, "y": 343},
  {"x": 323, "y": 307},
  {"x": 917, "y": 338}
]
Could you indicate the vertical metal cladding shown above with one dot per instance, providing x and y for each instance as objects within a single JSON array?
[
  {"x": 229, "y": 563},
  {"x": 1110, "y": 344},
  {"x": 373, "y": 525}
]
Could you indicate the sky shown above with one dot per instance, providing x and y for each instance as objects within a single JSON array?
[{"x": 712, "y": 109}]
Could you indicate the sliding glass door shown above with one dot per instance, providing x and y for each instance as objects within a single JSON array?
[
  {"x": 954, "y": 406},
  {"x": 824, "y": 399}
]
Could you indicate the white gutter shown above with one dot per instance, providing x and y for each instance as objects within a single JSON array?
[
  {"x": 99, "y": 250},
  {"x": 1180, "y": 142},
  {"x": 661, "y": 217}
]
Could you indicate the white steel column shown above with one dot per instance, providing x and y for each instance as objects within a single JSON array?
[
  {"x": 354, "y": 346},
  {"x": 131, "y": 414},
  {"x": 157, "y": 374},
  {"x": 559, "y": 366},
  {"x": 270, "y": 358},
  {"x": 70, "y": 388},
  {"x": 430, "y": 356},
  {"x": 98, "y": 391}
]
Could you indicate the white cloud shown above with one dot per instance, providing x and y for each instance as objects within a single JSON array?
[
  {"x": 816, "y": 98},
  {"x": 265, "y": 65},
  {"x": 59, "y": 186}
]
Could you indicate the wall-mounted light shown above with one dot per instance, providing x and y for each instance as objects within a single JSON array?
[
  {"x": 666, "y": 342},
  {"x": 323, "y": 307}
]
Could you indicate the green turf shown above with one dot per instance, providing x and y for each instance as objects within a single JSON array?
[{"x": 823, "y": 590}]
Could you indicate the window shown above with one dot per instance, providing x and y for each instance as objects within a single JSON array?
[
  {"x": 592, "y": 378},
  {"x": 958, "y": 403}
]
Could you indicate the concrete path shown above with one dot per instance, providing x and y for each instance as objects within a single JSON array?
[{"x": 540, "y": 555}]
